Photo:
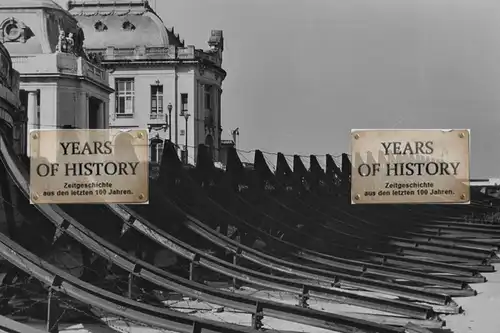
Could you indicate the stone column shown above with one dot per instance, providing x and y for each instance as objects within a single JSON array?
[
  {"x": 100, "y": 117},
  {"x": 83, "y": 113},
  {"x": 33, "y": 122},
  {"x": 218, "y": 123},
  {"x": 104, "y": 115}
]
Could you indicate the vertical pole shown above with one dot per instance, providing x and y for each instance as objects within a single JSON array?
[
  {"x": 130, "y": 283},
  {"x": 176, "y": 106},
  {"x": 170, "y": 125},
  {"x": 186, "y": 146},
  {"x": 32, "y": 119},
  {"x": 52, "y": 313},
  {"x": 191, "y": 271},
  {"x": 235, "y": 281}
]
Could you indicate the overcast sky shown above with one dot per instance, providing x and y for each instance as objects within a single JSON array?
[{"x": 301, "y": 74}]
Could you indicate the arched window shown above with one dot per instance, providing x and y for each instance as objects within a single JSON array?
[
  {"x": 128, "y": 26},
  {"x": 99, "y": 26}
]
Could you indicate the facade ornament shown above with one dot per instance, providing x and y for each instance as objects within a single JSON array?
[
  {"x": 14, "y": 31},
  {"x": 61, "y": 44},
  {"x": 70, "y": 43},
  {"x": 66, "y": 44}
]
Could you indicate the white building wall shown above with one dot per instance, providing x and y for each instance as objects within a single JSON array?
[{"x": 187, "y": 83}]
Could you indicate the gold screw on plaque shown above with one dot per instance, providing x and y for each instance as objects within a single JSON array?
[
  {"x": 34, "y": 136},
  {"x": 141, "y": 196},
  {"x": 461, "y": 135},
  {"x": 356, "y": 136},
  {"x": 140, "y": 135},
  {"x": 463, "y": 196},
  {"x": 34, "y": 197},
  {"x": 357, "y": 197}
]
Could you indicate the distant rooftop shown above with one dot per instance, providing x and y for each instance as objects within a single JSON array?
[
  {"x": 485, "y": 182},
  {"x": 121, "y": 24}
]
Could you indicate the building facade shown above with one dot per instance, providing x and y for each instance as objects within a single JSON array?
[
  {"x": 161, "y": 84},
  {"x": 59, "y": 85}
]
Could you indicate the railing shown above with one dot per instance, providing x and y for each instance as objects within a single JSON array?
[
  {"x": 92, "y": 71},
  {"x": 124, "y": 115},
  {"x": 65, "y": 63},
  {"x": 159, "y": 53},
  {"x": 157, "y": 116}
]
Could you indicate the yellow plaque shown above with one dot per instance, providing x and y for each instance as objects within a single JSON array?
[
  {"x": 89, "y": 166},
  {"x": 410, "y": 166}
]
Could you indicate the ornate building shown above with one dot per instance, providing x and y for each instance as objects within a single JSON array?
[
  {"x": 160, "y": 83},
  {"x": 59, "y": 86}
]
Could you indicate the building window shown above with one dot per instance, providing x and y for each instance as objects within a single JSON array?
[
  {"x": 208, "y": 97},
  {"x": 128, "y": 26},
  {"x": 156, "y": 99},
  {"x": 99, "y": 26},
  {"x": 159, "y": 149},
  {"x": 156, "y": 152},
  {"x": 184, "y": 103},
  {"x": 125, "y": 97}
]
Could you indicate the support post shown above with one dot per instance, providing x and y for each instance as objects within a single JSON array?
[
  {"x": 304, "y": 297},
  {"x": 130, "y": 284},
  {"x": 191, "y": 271},
  {"x": 53, "y": 313},
  {"x": 176, "y": 109},
  {"x": 192, "y": 267},
  {"x": 196, "y": 328},
  {"x": 33, "y": 122},
  {"x": 100, "y": 116},
  {"x": 257, "y": 317},
  {"x": 235, "y": 281}
]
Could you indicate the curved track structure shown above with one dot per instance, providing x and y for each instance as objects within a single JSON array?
[
  {"x": 315, "y": 247},
  {"x": 154, "y": 275}
]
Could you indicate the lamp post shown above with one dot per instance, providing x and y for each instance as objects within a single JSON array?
[
  {"x": 169, "y": 108},
  {"x": 186, "y": 116}
]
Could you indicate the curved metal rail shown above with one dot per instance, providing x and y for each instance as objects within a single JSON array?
[
  {"x": 161, "y": 278},
  {"x": 11, "y": 326},
  {"x": 67, "y": 284},
  {"x": 302, "y": 288}
]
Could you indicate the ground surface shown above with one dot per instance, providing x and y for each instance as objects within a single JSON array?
[{"x": 482, "y": 313}]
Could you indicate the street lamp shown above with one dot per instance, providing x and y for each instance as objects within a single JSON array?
[
  {"x": 169, "y": 108},
  {"x": 186, "y": 116}
]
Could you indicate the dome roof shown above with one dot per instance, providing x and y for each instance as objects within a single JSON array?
[
  {"x": 49, "y": 4},
  {"x": 121, "y": 24}
]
